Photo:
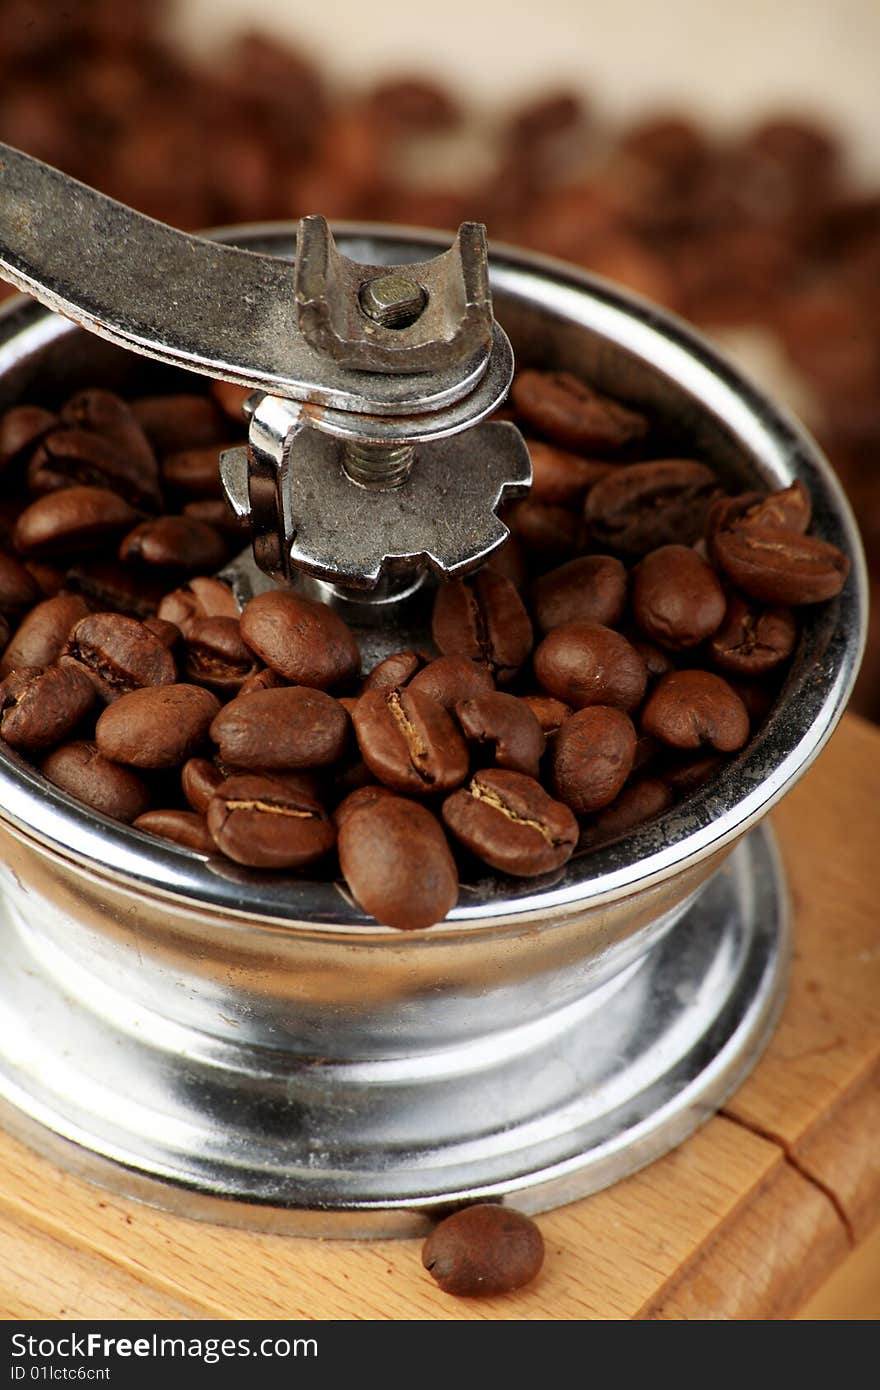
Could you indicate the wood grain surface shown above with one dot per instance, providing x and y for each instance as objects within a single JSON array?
[{"x": 748, "y": 1219}]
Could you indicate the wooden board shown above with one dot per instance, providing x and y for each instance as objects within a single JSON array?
[{"x": 746, "y": 1220}]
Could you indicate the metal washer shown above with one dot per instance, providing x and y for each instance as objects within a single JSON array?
[{"x": 539, "y": 1116}]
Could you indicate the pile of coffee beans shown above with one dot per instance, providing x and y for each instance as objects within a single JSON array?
[
  {"x": 622, "y": 645},
  {"x": 766, "y": 227}
]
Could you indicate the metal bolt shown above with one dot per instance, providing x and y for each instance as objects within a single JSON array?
[
  {"x": 377, "y": 466},
  {"x": 393, "y": 300}
]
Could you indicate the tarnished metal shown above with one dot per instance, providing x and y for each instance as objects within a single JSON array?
[
  {"x": 294, "y": 488},
  {"x": 381, "y": 357},
  {"x": 392, "y": 299},
  {"x": 186, "y": 300},
  {"x": 423, "y": 319}
]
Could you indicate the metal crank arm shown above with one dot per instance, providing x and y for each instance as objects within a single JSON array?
[{"x": 385, "y": 360}]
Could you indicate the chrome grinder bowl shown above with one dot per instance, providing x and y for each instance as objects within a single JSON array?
[{"x": 251, "y": 1048}]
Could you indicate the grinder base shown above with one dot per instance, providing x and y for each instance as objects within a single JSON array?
[{"x": 539, "y": 1115}]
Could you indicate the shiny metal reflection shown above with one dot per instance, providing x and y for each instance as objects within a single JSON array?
[{"x": 228, "y": 1035}]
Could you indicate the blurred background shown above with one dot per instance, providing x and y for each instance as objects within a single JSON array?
[{"x": 720, "y": 159}]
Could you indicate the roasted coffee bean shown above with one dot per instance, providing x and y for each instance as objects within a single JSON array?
[
  {"x": 645, "y": 505},
  {"x": 409, "y": 742},
  {"x": 484, "y": 1250},
  {"x": 647, "y": 752},
  {"x": 18, "y": 588},
  {"x": 203, "y": 597},
  {"x": 21, "y": 430},
  {"x": 539, "y": 124},
  {"x": 39, "y": 709},
  {"x": 677, "y": 598},
  {"x": 184, "y": 828},
  {"x": 194, "y": 473},
  {"x": 641, "y": 801},
  {"x": 723, "y": 514},
  {"x": 789, "y": 509},
  {"x": 506, "y": 726},
  {"x": 199, "y": 779},
  {"x": 217, "y": 513},
  {"x": 169, "y": 634},
  {"x": 546, "y": 533},
  {"x": 74, "y": 519},
  {"x": 752, "y": 641},
  {"x": 109, "y": 586},
  {"x": 173, "y": 423},
  {"x": 305, "y": 642},
  {"x": 590, "y": 589},
  {"x": 483, "y": 619},
  {"x": 11, "y": 508},
  {"x": 159, "y": 726},
  {"x": 71, "y": 457},
  {"x": 103, "y": 412},
  {"x": 366, "y": 795},
  {"x": 396, "y": 860},
  {"x": 231, "y": 398},
  {"x": 791, "y": 154},
  {"x": 350, "y": 776},
  {"x": 509, "y": 561},
  {"x": 261, "y": 822},
  {"x": 757, "y": 696},
  {"x": 684, "y": 774},
  {"x": 50, "y": 579},
  {"x": 569, "y": 412},
  {"x": 174, "y": 542},
  {"x": 562, "y": 478},
  {"x": 588, "y": 664},
  {"x": 280, "y": 730},
  {"x": 657, "y": 662},
  {"x": 42, "y": 634},
  {"x": 310, "y": 784},
  {"x": 81, "y": 771},
  {"x": 695, "y": 709},
  {"x": 781, "y": 567},
  {"x": 511, "y": 823},
  {"x": 270, "y": 680},
  {"x": 397, "y": 669},
  {"x": 118, "y": 654},
  {"x": 405, "y": 104},
  {"x": 669, "y": 142},
  {"x": 591, "y": 757},
  {"x": 215, "y": 655},
  {"x": 448, "y": 679},
  {"x": 549, "y": 712}
]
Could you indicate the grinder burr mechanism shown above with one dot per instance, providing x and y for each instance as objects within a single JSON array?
[
  {"x": 251, "y": 1047},
  {"x": 364, "y": 376}
]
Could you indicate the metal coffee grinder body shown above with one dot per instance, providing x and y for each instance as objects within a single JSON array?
[{"x": 252, "y": 1048}]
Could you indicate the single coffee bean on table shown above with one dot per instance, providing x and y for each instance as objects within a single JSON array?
[{"x": 483, "y": 1250}]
